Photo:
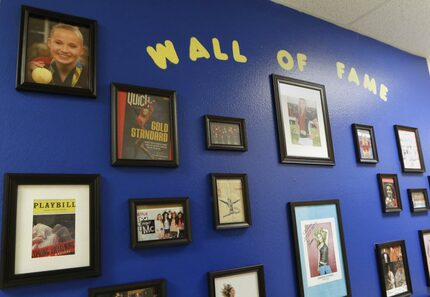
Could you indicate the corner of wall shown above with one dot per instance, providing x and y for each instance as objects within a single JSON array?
[{"x": 428, "y": 64}]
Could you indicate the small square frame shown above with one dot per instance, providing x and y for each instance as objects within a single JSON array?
[
  {"x": 400, "y": 146},
  {"x": 245, "y": 196},
  {"x": 411, "y": 202},
  {"x": 359, "y": 157},
  {"x": 160, "y": 284},
  {"x": 211, "y": 144},
  {"x": 395, "y": 191},
  {"x": 159, "y": 202}
]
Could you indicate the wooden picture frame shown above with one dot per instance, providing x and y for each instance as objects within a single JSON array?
[
  {"x": 409, "y": 148},
  {"x": 304, "y": 131},
  {"x": 425, "y": 249},
  {"x": 225, "y": 133},
  {"x": 230, "y": 199},
  {"x": 393, "y": 269},
  {"x": 144, "y": 126},
  {"x": 240, "y": 281},
  {"x": 321, "y": 262},
  {"x": 60, "y": 212},
  {"x": 57, "y": 53},
  {"x": 153, "y": 287},
  {"x": 389, "y": 192},
  {"x": 418, "y": 200},
  {"x": 151, "y": 222},
  {"x": 365, "y": 144}
]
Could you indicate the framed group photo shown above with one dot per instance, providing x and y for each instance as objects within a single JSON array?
[
  {"x": 57, "y": 53},
  {"x": 393, "y": 269},
  {"x": 153, "y": 288},
  {"x": 418, "y": 200},
  {"x": 159, "y": 222},
  {"x": 425, "y": 249},
  {"x": 365, "y": 144},
  {"x": 409, "y": 147},
  {"x": 389, "y": 192},
  {"x": 303, "y": 123},
  {"x": 230, "y": 198},
  {"x": 225, "y": 133},
  {"x": 50, "y": 228},
  {"x": 321, "y": 263},
  {"x": 244, "y": 281},
  {"x": 144, "y": 126}
]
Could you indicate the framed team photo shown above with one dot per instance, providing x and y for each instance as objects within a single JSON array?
[
  {"x": 303, "y": 123},
  {"x": 365, "y": 144},
  {"x": 244, "y": 281},
  {"x": 57, "y": 53},
  {"x": 425, "y": 249},
  {"x": 50, "y": 228},
  {"x": 230, "y": 199},
  {"x": 224, "y": 133},
  {"x": 144, "y": 126},
  {"x": 153, "y": 288},
  {"x": 389, "y": 192},
  {"x": 321, "y": 262},
  {"x": 409, "y": 147},
  {"x": 393, "y": 269},
  {"x": 418, "y": 200},
  {"x": 159, "y": 222}
]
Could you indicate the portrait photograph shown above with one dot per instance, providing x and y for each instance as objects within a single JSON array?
[
  {"x": 320, "y": 249},
  {"x": 225, "y": 133},
  {"x": 409, "y": 147},
  {"x": 393, "y": 269},
  {"x": 303, "y": 123},
  {"x": 161, "y": 221},
  {"x": 389, "y": 192},
  {"x": 418, "y": 200},
  {"x": 245, "y": 281},
  {"x": 154, "y": 288},
  {"x": 230, "y": 201},
  {"x": 57, "y": 53},
  {"x": 425, "y": 249},
  {"x": 365, "y": 144},
  {"x": 144, "y": 129}
]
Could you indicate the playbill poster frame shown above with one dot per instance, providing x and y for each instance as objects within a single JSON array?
[
  {"x": 303, "y": 124},
  {"x": 38, "y": 43},
  {"x": 365, "y": 144},
  {"x": 409, "y": 147},
  {"x": 319, "y": 246},
  {"x": 60, "y": 212},
  {"x": 159, "y": 286},
  {"x": 144, "y": 126},
  {"x": 425, "y": 250}
]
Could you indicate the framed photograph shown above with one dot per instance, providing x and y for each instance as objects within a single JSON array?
[
  {"x": 57, "y": 53},
  {"x": 365, "y": 144},
  {"x": 224, "y": 133},
  {"x": 393, "y": 269},
  {"x": 418, "y": 199},
  {"x": 154, "y": 288},
  {"x": 389, "y": 191},
  {"x": 230, "y": 198},
  {"x": 425, "y": 249},
  {"x": 60, "y": 214},
  {"x": 144, "y": 127},
  {"x": 409, "y": 147},
  {"x": 245, "y": 281},
  {"x": 159, "y": 222},
  {"x": 303, "y": 122},
  {"x": 321, "y": 263}
]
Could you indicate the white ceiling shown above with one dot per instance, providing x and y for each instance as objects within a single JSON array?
[{"x": 404, "y": 24}]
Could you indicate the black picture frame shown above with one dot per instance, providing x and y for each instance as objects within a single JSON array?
[
  {"x": 425, "y": 251},
  {"x": 221, "y": 221},
  {"x": 233, "y": 140},
  {"x": 213, "y": 276},
  {"x": 314, "y": 121},
  {"x": 387, "y": 203},
  {"x": 413, "y": 207},
  {"x": 156, "y": 129},
  {"x": 183, "y": 228},
  {"x": 386, "y": 263},
  {"x": 17, "y": 207},
  {"x": 320, "y": 215},
  {"x": 409, "y": 162},
  {"x": 363, "y": 149},
  {"x": 39, "y": 49},
  {"x": 158, "y": 284}
]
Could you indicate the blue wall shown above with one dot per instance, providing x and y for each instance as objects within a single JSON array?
[{"x": 58, "y": 134}]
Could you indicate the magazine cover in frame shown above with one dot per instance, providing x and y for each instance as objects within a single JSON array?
[
  {"x": 320, "y": 250},
  {"x": 143, "y": 126}
]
